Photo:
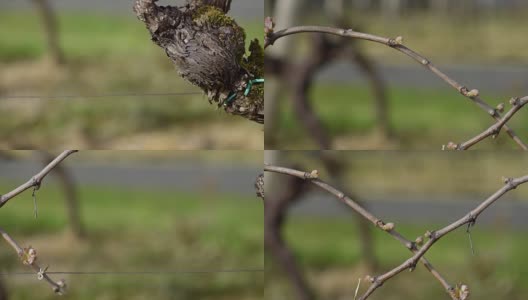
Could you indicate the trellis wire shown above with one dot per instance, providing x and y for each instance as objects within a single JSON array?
[
  {"x": 28, "y": 255},
  {"x": 95, "y": 96},
  {"x": 175, "y": 272}
]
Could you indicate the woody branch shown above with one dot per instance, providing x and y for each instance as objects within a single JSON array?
[
  {"x": 397, "y": 44},
  {"x": 419, "y": 252},
  {"x": 493, "y": 130},
  {"x": 434, "y": 236},
  {"x": 387, "y": 227},
  {"x": 36, "y": 180},
  {"x": 29, "y": 255}
]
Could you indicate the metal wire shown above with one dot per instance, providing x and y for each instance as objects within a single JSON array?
[
  {"x": 57, "y": 97},
  {"x": 137, "y": 272}
]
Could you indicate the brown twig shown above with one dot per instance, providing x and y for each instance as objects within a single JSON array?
[
  {"x": 397, "y": 44},
  {"x": 387, "y": 227},
  {"x": 29, "y": 255},
  {"x": 335, "y": 170},
  {"x": 36, "y": 180},
  {"x": 434, "y": 236},
  {"x": 494, "y": 130}
]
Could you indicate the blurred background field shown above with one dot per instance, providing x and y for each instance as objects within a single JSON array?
[
  {"x": 106, "y": 51},
  {"x": 477, "y": 43},
  {"x": 142, "y": 212},
  {"x": 418, "y": 191}
]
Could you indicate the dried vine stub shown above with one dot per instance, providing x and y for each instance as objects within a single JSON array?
[
  {"x": 208, "y": 48},
  {"x": 259, "y": 186}
]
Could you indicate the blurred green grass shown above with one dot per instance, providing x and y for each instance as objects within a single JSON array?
[
  {"x": 421, "y": 118},
  {"x": 84, "y": 35},
  {"x": 455, "y": 38},
  {"x": 133, "y": 229},
  {"x": 419, "y": 175},
  {"x": 329, "y": 251},
  {"x": 458, "y": 38}
]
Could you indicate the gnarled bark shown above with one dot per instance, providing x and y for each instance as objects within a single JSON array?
[{"x": 208, "y": 49}]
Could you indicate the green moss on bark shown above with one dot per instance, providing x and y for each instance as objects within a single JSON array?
[
  {"x": 211, "y": 15},
  {"x": 253, "y": 64}
]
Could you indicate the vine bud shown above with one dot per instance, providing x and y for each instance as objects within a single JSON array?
[
  {"x": 269, "y": 25},
  {"x": 462, "y": 291},
  {"x": 473, "y": 93},
  {"x": 452, "y": 146},
  {"x": 29, "y": 256},
  {"x": 514, "y": 101},
  {"x": 500, "y": 107},
  {"x": 388, "y": 226}
]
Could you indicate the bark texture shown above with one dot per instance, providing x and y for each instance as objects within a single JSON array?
[{"x": 208, "y": 48}]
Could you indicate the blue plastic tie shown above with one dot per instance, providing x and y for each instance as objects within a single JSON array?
[
  {"x": 250, "y": 84},
  {"x": 230, "y": 99},
  {"x": 232, "y": 95}
]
